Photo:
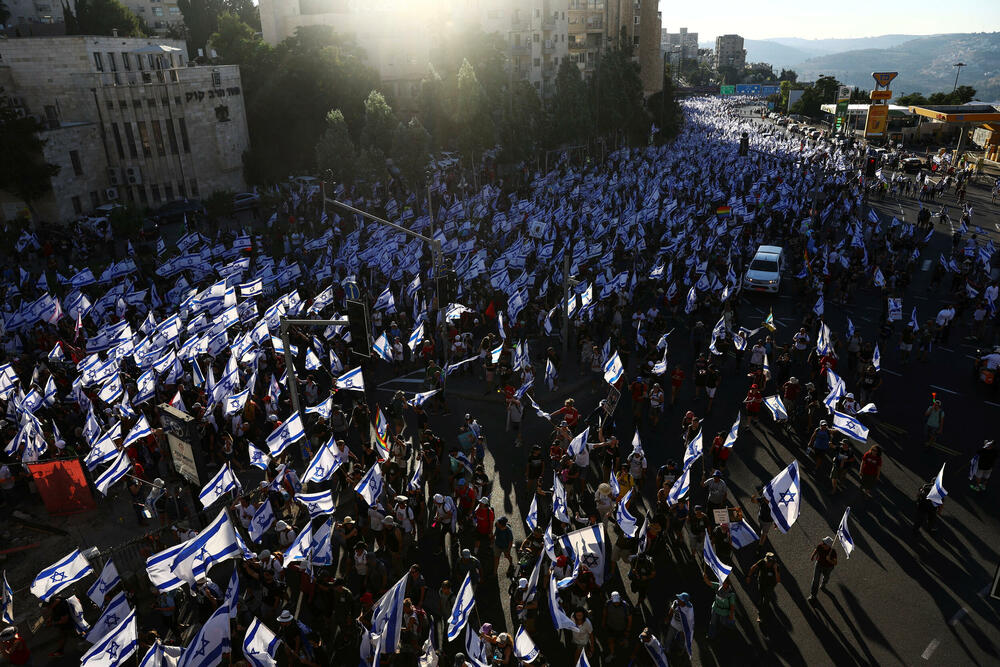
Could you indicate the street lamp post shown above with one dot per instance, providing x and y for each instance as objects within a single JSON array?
[{"x": 958, "y": 71}]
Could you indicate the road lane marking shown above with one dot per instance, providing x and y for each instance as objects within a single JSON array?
[
  {"x": 949, "y": 391},
  {"x": 929, "y": 651},
  {"x": 886, "y": 370},
  {"x": 958, "y": 616},
  {"x": 946, "y": 349},
  {"x": 926, "y": 265},
  {"x": 992, "y": 403}
]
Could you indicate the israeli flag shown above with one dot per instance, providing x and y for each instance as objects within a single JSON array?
[
  {"x": 616, "y": 489},
  {"x": 233, "y": 592},
  {"x": 416, "y": 338},
  {"x": 656, "y": 652},
  {"x": 252, "y": 288},
  {"x": 742, "y": 535},
  {"x": 61, "y": 574},
  {"x": 258, "y": 459},
  {"x": 464, "y": 602},
  {"x": 215, "y": 543},
  {"x": 371, "y": 485},
  {"x": 583, "y": 661},
  {"x": 532, "y": 517},
  {"x": 850, "y": 426},
  {"x": 116, "y": 610},
  {"x": 936, "y": 495},
  {"x": 559, "y": 505},
  {"x": 588, "y": 547},
  {"x": 417, "y": 478},
  {"x": 385, "y": 302},
  {"x": 694, "y": 451},
  {"x": 235, "y": 402},
  {"x": 559, "y": 618},
  {"x": 783, "y": 495},
  {"x": 352, "y": 380},
  {"x": 613, "y": 369},
  {"x": 109, "y": 579},
  {"x": 145, "y": 387},
  {"x": 844, "y": 535},
  {"x": 260, "y": 645},
  {"x": 551, "y": 375},
  {"x": 578, "y": 444},
  {"x": 210, "y": 644},
  {"x": 322, "y": 553},
  {"x": 301, "y": 548},
  {"x": 733, "y": 434},
  {"x": 159, "y": 567},
  {"x": 913, "y": 320},
  {"x": 286, "y": 435},
  {"x": 112, "y": 391},
  {"x": 878, "y": 279},
  {"x": 138, "y": 432},
  {"x": 818, "y": 308},
  {"x": 524, "y": 647},
  {"x": 720, "y": 569},
  {"x": 680, "y": 488},
  {"x": 382, "y": 349},
  {"x": 160, "y": 655},
  {"x": 7, "y": 611},
  {"x": 116, "y": 647},
  {"x": 877, "y": 359},
  {"x": 262, "y": 520},
  {"x": 628, "y": 523},
  {"x": 823, "y": 339},
  {"x": 114, "y": 473},
  {"x": 323, "y": 408},
  {"x": 317, "y": 504},
  {"x": 777, "y": 408},
  {"x": 224, "y": 481},
  {"x": 324, "y": 463},
  {"x": 387, "y": 616}
]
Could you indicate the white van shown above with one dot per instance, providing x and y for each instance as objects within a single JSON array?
[{"x": 764, "y": 272}]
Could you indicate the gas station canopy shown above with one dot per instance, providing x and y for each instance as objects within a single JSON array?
[{"x": 963, "y": 113}]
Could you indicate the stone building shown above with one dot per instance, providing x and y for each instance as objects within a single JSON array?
[
  {"x": 127, "y": 120},
  {"x": 729, "y": 52}
]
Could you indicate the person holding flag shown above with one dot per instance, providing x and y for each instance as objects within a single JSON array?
[{"x": 824, "y": 558}]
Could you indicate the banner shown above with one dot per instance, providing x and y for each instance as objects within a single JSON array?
[{"x": 63, "y": 486}]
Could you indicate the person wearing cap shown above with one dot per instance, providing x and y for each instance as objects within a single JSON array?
[
  {"x": 723, "y": 606},
  {"x": 483, "y": 517},
  {"x": 986, "y": 457},
  {"x": 503, "y": 540},
  {"x": 753, "y": 401},
  {"x": 718, "y": 491},
  {"x": 502, "y": 649},
  {"x": 403, "y": 514},
  {"x": 394, "y": 542},
  {"x": 468, "y": 564},
  {"x": 444, "y": 517},
  {"x": 14, "y": 647},
  {"x": 616, "y": 621},
  {"x": 819, "y": 443},
  {"x": 680, "y": 622},
  {"x": 934, "y": 422},
  {"x": 523, "y": 606},
  {"x": 824, "y": 557},
  {"x": 285, "y": 535},
  {"x": 768, "y": 577}
]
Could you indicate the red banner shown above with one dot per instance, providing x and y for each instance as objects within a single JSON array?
[{"x": 63, "y": 486}]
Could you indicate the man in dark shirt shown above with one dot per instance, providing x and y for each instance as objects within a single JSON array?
[
  {"x": 825, "y": 558},
  {"x": 985, "y": 458}
]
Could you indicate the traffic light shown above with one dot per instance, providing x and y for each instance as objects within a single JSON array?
[
  {"x": 448, "y": 287},
  {"x": 360, "y": 328},
  {"x": 744, "y": 144},
  {"x": 870, "y": 167}
]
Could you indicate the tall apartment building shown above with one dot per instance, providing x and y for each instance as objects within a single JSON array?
[
  {"x": 685, "y": 42},
  {"x": 729, "y": 51},
  {"x": 126, "y": 120},
  {"x": 45, "y": 17},
  {"x": 536, "y": 32},
  {"x": 596, "y": 25},
  {"x": 159, "y": 15}
]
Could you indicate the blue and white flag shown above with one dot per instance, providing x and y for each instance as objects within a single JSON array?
[
  {"x": 913, "y": 320},
  {"x": 416, "y": 337},
  {"x": 116, "y": 647},
  {"x": 324, "y": 463},
  {"x": 733, "y": 434},
  {"x": 286, "y": 435},
  {"x": 588, "y": 548},
  {"x": 937, "y": 494},
  {"x": 224, "y": 481},
  {"x": 531, "y": 518},
  {"x": 844, "y": 535},
  {"x": 371, "y": 485},
  {"x": 262, "y": 519},
  {"x": 317, "y": 504},
  {"x": 421, "y": 398},
  {"x": 694, "y": 450},
  {"x": 76, "y": 613},
  {"x": 215, "y": 543},
  {"x": 628, "y": 523},
  {"x": 850, "y": 426},
  {"x": 210, "y": 644},
  {"x": 559, "y": 618},
  {"x": 720, "y": 569},
  {"x": 524, "y": 647},
  {"x": 656, "y": 652},
  {"x": 260, "y": 645},
  {"x": 582, "y": 661},
  {"x": 352, "y": 380},
  {"x": 61, "y": 574},
  {"x": 117, "y": 609},
  {"x": 387, "y": 616},
  {"x": 385, "y": 302},
  {"x": 613, "y": 369},
  {"x": 777, "y": 408},
  {"x": 382, "y": 349},
  {"x": 742, "y": 535},
  {"x": 551, "y": 374},
  {"x": 160, "y": 655},
  {"x": 477, "y": 652},
  {"x": 235, "y": 402},
  {"x": 139, "y": 431},
  {"x": 680, "y": 488},
  {"x": 7, "y": 603},
  {"x": 783, "y": 495},
  {"x": 252, "y": 288},
  {"x": 300, "y": 550},
  {"x": 818, "y": 308},
  {"x": 560, "y": 508},
  {"x": 579, "y": 443},
  {"x": 258, "y": 459},
  {"x": 322, "y": 551},
  {"x": 233, "y": 592},
  {"x": 114, "y": 473},
  {"x": 108, "y": 580},
  {"x": 878, "y": 279},
  {"x": 465, "y": 600},
  {"x": 850, "y": 328},
  {"x": 876, "y": 359}
]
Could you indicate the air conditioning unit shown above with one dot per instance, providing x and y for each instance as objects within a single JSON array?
[
  {"x": 111, "y": 194},
  {"x": 133, "y": 175},
  {"x": 114, "y": 177}
]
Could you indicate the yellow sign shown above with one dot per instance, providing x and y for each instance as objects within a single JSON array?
[
  {"x": 881, "y": 94},
  {"x": 882, "y": 79},
  {"x": 878, "y": 117}
]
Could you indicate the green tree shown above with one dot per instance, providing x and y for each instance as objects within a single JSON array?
[
  {"x": 248, "y": 12},
  {"x": 235, "y": 41},
  {"x": 729, "y": 75},
  {"x": 616, "y": 92},
  {"x": 666, "y": 112},
  {"x": 335, "y": 150},
  {"x": 432, "y": 107},
  {"x": 859, "y": 96},
  {"x": 219, "y": 204},
  {"x": 380, "y": 123},
  {"x": 475, "y": 124},
  {"x": 789, "y": 75},
  {"x": 911, "y": 99},
  {"x": 411, "y": 153},
  {"x": 4, "y": 13},
  {"x": 371, "y": 165},
  {"x": 126, "y": 220},
  {"x": 522, "y": 123},
  {"x": 822, "y": 91},
  {"x": 201, "y": 19},
  {"x": 102, "y": 17},
  {"x": 569, "y": 111},
  {"x": 23, "y": 170}
]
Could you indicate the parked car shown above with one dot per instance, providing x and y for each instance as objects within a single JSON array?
[
  {"x": 176, "y": 210},
  {"x": 245, "y": 200},
  {"x": 764, "y": 272},
  {"x": 912, "y": 165}
]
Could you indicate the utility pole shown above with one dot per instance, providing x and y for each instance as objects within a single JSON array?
[{"x": 958, "y": 71}]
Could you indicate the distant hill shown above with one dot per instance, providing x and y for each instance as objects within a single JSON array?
[
  {"x": 786, "y": 51},
  {"x": 924, "y": 64}
]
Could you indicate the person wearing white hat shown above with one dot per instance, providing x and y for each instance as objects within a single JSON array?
[
  {"x": 285, "y": 534},
  {"x": 616, "y": 622},
  {"x": 443, "y": 519},
  {"x": 523, "y": 606},
  {"x": 825, "y": 557}
]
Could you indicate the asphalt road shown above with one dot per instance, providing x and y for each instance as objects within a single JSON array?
[{"x": 899, "y": 599}]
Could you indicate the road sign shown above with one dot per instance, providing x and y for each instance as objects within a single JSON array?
[
  {"x": 727, "y": 90},
  {"x": 351, "y": 290},
  {"x": 881, "y": 94},
  {"x": 884, "y": 78}
]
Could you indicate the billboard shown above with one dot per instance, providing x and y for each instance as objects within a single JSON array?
[
  {"x": 879, "y": 95},
  {"x": 184, "y": 442},
  {"x": 748, "y": 89},
  {"x": 62, "y": 485},
  {"x": 878, "y": 117},
  {"x": 727, "y": 90},
  {"x": 794, "y": 96},
  {"x": 770, "y": 90},
  {"x": 883, "y": 79}
]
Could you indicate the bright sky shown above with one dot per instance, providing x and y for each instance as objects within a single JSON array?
[{"x": 762, "y": 19}]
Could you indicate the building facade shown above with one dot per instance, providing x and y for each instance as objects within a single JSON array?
[
  {"x": 40, "y": 18},
  {"x": 126, "y": 121},
  {"x": 596, "y": 25},
  {"x": 686, "y": 43},
  {"x": 729, "y": 52}
]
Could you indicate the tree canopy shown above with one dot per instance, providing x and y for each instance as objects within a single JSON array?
[
  {"x": 102, "y": 17},
  {"x": 23, "y": 170}
]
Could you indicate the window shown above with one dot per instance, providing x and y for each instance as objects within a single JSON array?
[
  {"x": 171, "y": 136},
  {"x": 186, "y": 144},
  {"x": 118, "y": 140},
  {"x": 74, "y": 157},
  {"x": 158, "y": 136},
  {"x": 147, "y": 151},
  {"x": 537, "y": 62},
  {"x": 112, "y": 61},
  {"x": 98, "y": 62},
  {"x": 177, "y": 100},
  {"x": 194, "y": 187},
  {"x": 136, "y": 104},
  {"x": 126, "y": 62},
  {"x": 77, "y": 206},
  {"x": 155, "y": 189},
  {"x": 142, "y": 194},
  {"x": 150, "y": 102},
  {"x": 157, "y": 11},
  {"x": 130, "y": 137},
  {"x": 52, "y": 115},
  {"x": 168, "y": 191},
  {"x": 217, "y": 78},
  {"x": 164, "y": 101},
  {"x": 536, "y": 38},
  {"x": 95, "y": 199},
  {"x": 123, "y": 104},
  {"x": 174, "y": 11}
]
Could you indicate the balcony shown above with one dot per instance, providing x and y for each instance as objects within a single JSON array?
[
  {"x": 519, "y": 25},
  {"x": 548, "y": 22},
  {"x": 520, "y": 50},
  {"x": 548, "y": 46}
]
